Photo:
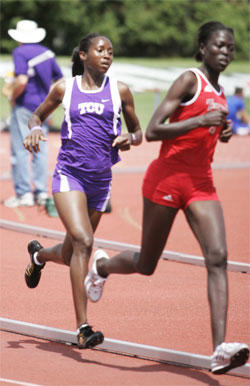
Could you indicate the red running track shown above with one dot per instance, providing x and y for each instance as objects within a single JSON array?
[{"x": 167, "y": 310}]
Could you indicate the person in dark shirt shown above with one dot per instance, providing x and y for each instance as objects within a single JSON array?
[{"x": 35, "y": 69}]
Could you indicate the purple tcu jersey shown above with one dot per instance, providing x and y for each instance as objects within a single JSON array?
[{"x": 91, "y": 123}]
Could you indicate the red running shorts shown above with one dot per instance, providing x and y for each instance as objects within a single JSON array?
[{"x": 177, "y": 186}]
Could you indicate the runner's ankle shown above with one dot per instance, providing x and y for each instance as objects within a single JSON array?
[{"x": 101, "y": 269}]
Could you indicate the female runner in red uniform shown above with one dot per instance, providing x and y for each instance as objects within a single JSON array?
[{"x": 181, "y": 178}]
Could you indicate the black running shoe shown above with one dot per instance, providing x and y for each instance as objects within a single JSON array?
[
  {"x": 33, "y": 271},
  {"x": 87, "y": 338}
]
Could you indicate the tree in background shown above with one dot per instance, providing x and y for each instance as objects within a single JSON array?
[{"x": 136, "y": 27}]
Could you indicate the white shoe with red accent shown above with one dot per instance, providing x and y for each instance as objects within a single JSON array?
[
  {"x": 93, "y": 282},
  {"x": 227, "y": 356}
]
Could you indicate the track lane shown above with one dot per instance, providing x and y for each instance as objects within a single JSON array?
[{"x": 168, "y": 309}]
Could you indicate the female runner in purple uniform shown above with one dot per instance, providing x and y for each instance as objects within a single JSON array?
[{"x": 90, "y": 140}]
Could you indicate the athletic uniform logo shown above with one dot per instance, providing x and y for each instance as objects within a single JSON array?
[
  {"x": 91, "y": 107},
  {"x": 208, "y": 88},
  {"x": 212, "y": 105},
  {"x": 168, "y": 197},
  {"x": 212, "y": 129}
]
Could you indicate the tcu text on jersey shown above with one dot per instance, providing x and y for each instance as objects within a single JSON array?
[{"x": 91, "y": 107}]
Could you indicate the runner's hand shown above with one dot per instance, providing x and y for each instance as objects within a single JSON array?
[
  {"x": 31, "y": 142},
  {"x": 122, "y": 142},
  {"x": 214, "y": 117},
  {"x": 226, "y": 131}
]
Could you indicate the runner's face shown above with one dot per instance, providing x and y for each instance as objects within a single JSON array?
[
  {"x": 100, "y": 54},
  {"x": 218, "y": 52}
]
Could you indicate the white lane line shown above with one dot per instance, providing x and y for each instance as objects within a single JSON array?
[{"x": 5, "y": 380}]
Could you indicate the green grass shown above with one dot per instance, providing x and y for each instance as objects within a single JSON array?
[
  {"x": 163, "y": 63},
  {"x": 235, "y": 66},
  {"x": 145, "y": 104}
]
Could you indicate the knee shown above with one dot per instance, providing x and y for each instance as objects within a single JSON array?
[
  {"x": 82, "y": 241},
  {"x": 143, "y": 269},
  {"x": 146, "y": 271},
  {"x": 216, "y": 259}
]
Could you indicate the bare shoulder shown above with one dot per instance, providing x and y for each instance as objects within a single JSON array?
[
  {"x": 124, "y": 90},
  {"x": 60, "y": 85},
  {"x": 188, "y": 77},
  {"x": 122, "y": 87},
  {"x": 58, "y": 89},
  {"x": 184, "y": 87}
]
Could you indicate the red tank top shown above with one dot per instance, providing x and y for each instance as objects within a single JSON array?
[{"x": 195, "y": 148}]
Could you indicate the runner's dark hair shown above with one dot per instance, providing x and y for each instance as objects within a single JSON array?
[
  {"x": 205, "y": 32},
  {"x": 77, "y": 67}
]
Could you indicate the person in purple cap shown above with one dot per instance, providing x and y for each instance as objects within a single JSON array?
[
  {"x": 91, "y": 139},
  {"x": 35, "y": 69}
]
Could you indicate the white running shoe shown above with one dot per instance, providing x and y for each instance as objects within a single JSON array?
[
  {"x": 24, "y": 200},
  {"x": 93, "y": 282},
  {"x": 227, "y": 356}
]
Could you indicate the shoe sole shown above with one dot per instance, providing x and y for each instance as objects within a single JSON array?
[
  {"x": 237, "y": 360},
  {"x": 92, "y": 341},
  {"x": 88, "y": 286},
  {"x": 32, "y": 280},
  {"x": 89, "y": 295},
  {"x": 32, "y": 283}
]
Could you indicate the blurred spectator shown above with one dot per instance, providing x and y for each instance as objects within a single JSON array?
[
  {"x": 237, "y": 112},
  {"x": 35, "y": 69}
]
